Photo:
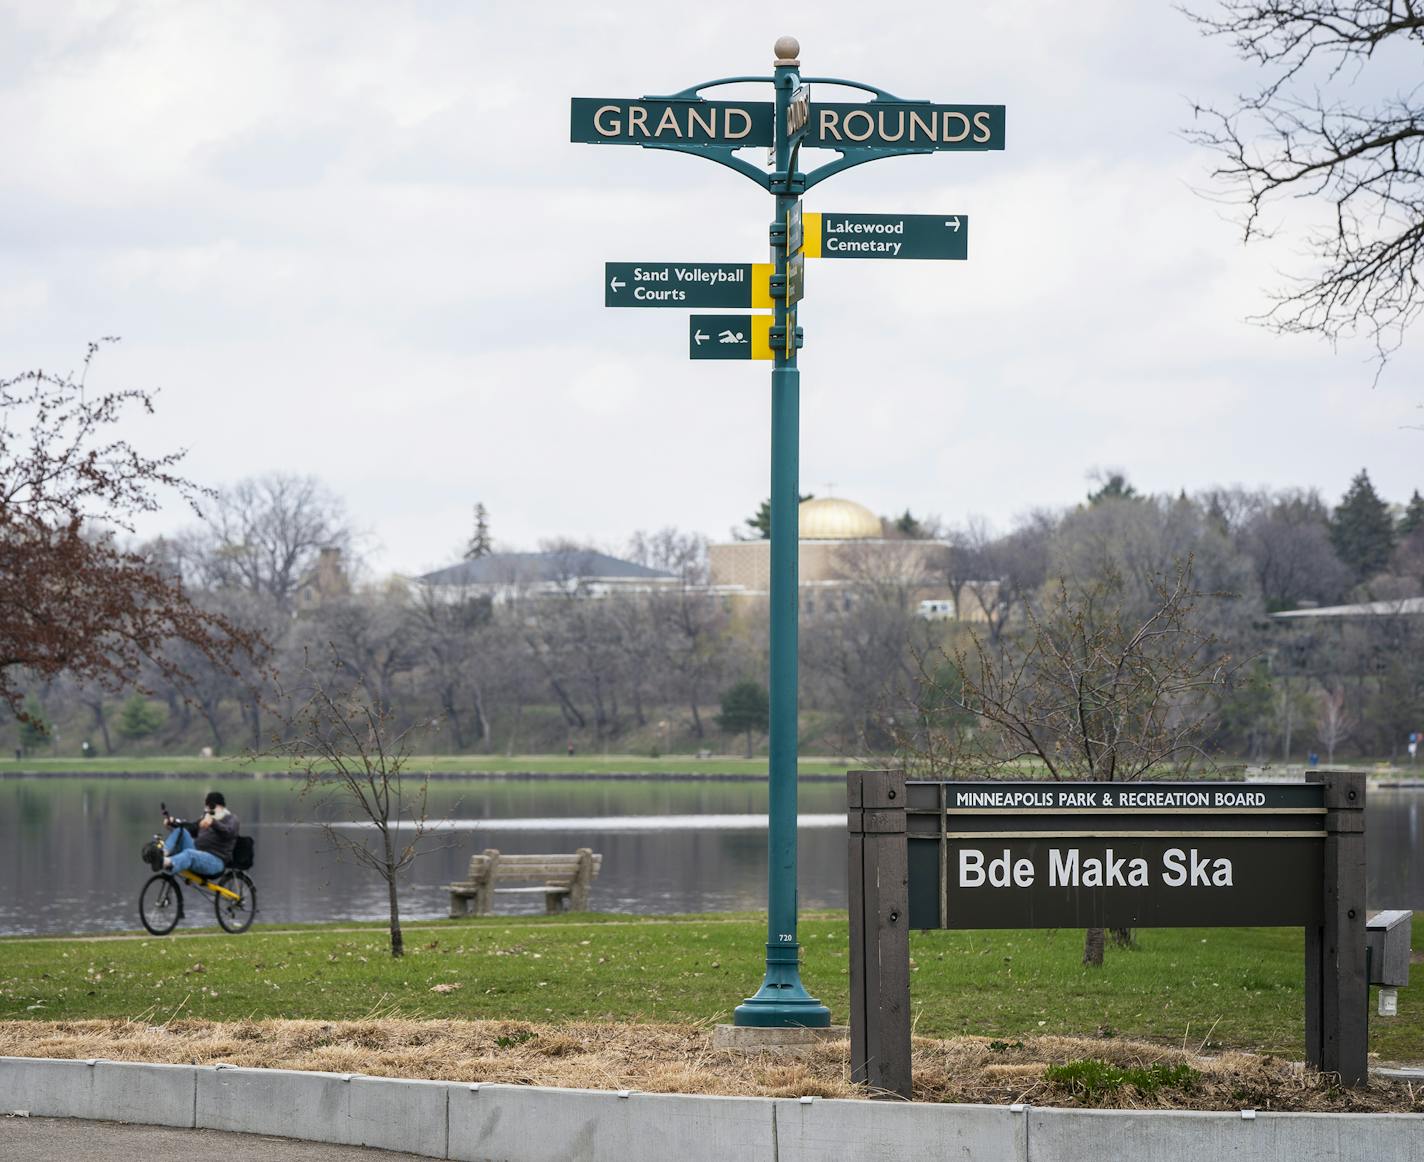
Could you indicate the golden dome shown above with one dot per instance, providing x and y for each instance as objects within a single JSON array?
[{"x": 832, "y": 519}]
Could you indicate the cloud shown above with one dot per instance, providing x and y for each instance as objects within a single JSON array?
[{"x": 354, "y": 240}]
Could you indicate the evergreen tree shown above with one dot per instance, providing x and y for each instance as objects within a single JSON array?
[
  {"x": 480, "y": 544},
  {"x": 1114, "y": 486},
  {"x": 761, "y": 523},
  {"x": 908, "y": 526},
  {"x": 1362, "y": 530},
  {"x": 139, "y": 718},
  {"x": 1413, "y": 519},
  {"x": 746, "y": 707},
  {"x": 35, "y": 729}
]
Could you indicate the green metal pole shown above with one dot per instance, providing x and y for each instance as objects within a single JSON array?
[{"x": 782, "y": 1000}]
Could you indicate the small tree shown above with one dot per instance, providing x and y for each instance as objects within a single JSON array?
[
  {"x": 746, "y": 708},
  {"x": 761, "y": 523},
  {"x": 479, "y": 544},
  {"x": 1112, "y": 485},
  {"x": 139, "y": 718},
  {"x": 1333, "y": 722},
  {"x": 909, "y": 526},
  {"x": 72, "y": 598},
  {"x": 35, "y": 729},
  {"x": 344, "y": 743},
  {"x": 1087, "y": 690}
]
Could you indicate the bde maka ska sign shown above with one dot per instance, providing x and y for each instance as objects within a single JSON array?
[{"x": 1086, "y": 855}]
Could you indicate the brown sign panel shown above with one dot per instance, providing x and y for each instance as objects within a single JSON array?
[{"x": 1026, "y": 855}]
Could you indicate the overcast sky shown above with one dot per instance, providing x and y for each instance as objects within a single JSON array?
[{"x": 353, "y": 240}]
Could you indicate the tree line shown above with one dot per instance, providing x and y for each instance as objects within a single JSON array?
[{"x": 275, "y": 559}]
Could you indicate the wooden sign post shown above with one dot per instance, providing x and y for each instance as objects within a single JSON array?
[{"x": 1105, "y": 855}]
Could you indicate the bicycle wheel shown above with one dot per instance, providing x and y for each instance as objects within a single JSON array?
[
  {"x": 236, "y": 915},
  {"x": 160, "y": 904}
]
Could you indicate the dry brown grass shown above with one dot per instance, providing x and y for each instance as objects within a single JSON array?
[{"x": 680, "y": 1059}]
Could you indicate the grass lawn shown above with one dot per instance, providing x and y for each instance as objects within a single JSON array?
[
  {"x": 229, "y": 767},
  {"x": 1238, "y": 988}
]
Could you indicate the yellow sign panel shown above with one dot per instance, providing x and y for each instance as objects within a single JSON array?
[
  {"x": 761, "y": 287},
  {"x": 811, "y": 228}
]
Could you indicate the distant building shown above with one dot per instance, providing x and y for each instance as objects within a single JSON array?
[
  {"x": 582, "y": 572},
  {"x": 327, "y": 581},
  {"x": 842, "y": 545}
]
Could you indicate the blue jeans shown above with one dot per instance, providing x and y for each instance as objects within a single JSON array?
[{"x": 186, "y": 857}]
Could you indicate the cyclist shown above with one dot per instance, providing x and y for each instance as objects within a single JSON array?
[{"x": 207, "y": 848}]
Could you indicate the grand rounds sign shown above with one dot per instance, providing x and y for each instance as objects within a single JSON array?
[
  {"x": 909, "y": 125},
  {"x": 1082, "y": 855}
]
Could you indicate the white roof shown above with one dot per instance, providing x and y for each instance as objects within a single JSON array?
[{"x": 1403, "y": 606}]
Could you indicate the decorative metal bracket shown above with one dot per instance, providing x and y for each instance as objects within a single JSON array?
[{"x": 794, "y": 183}]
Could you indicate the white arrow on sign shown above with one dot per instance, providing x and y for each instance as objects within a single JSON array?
[
  {"x": 953, "y": 223},
  {"x": 615, "y": 284},
  {"x": 700, "y": 337}
]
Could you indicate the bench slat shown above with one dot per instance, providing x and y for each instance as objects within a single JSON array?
[{"x": 546, "y": 889}]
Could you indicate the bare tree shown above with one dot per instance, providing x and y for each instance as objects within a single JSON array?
[
  {"x": 264, "y": 535},
  {"x": 1090, "y": 692},
  {"x": 451, "y": 631},
  {"x": 1309, "y": 131},
  {"x": 999, "y": 574},
  {"x": 71, "y": 597},
  {"x": 370, "y": 634},
  {"x": 343, "y": 741},
  {"x": 1333, "y": 722},
  {"x": 691, "y": 627},
  {"x": 1288, "y": 542}
]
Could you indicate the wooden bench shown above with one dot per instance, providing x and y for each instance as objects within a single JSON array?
[{"x": 565, "y": 879}]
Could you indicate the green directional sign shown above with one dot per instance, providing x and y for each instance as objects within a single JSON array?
[
  {"x": 619, "y": 121},
  {"x": 689, "y": 122},
  {"x": 729, "y": 337},
  {"x": 795, "y": 229},
  {"x": 687, "y": 284},
  {"x": 887, "y": 235},
  {"x": 905, "y": 125}
]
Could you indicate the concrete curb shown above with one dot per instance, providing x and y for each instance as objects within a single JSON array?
[{"x": 514, "y": 1123}]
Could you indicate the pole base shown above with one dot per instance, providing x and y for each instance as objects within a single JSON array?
[
  {"x": 779, "y": 1013},
  {"x": 782, "y": 1002}
]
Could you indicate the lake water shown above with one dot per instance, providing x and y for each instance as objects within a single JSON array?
[{"x": 70, "y": 847}]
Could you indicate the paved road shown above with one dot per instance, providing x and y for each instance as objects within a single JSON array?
[{"x": 45, "y": 1139}]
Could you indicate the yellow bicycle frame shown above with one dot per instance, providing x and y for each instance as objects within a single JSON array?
[{"x": 202, "y": 882}]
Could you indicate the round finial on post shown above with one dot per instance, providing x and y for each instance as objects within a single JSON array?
[{"x": 787, "y": 50}]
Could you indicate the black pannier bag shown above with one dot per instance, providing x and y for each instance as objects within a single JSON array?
[{"x": 242, "y": 852}]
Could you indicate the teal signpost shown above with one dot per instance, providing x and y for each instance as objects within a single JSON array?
[{"x": 883, "y": 126}]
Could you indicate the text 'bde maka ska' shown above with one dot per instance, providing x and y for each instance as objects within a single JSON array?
[{"x": 1069, "y": 868}]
